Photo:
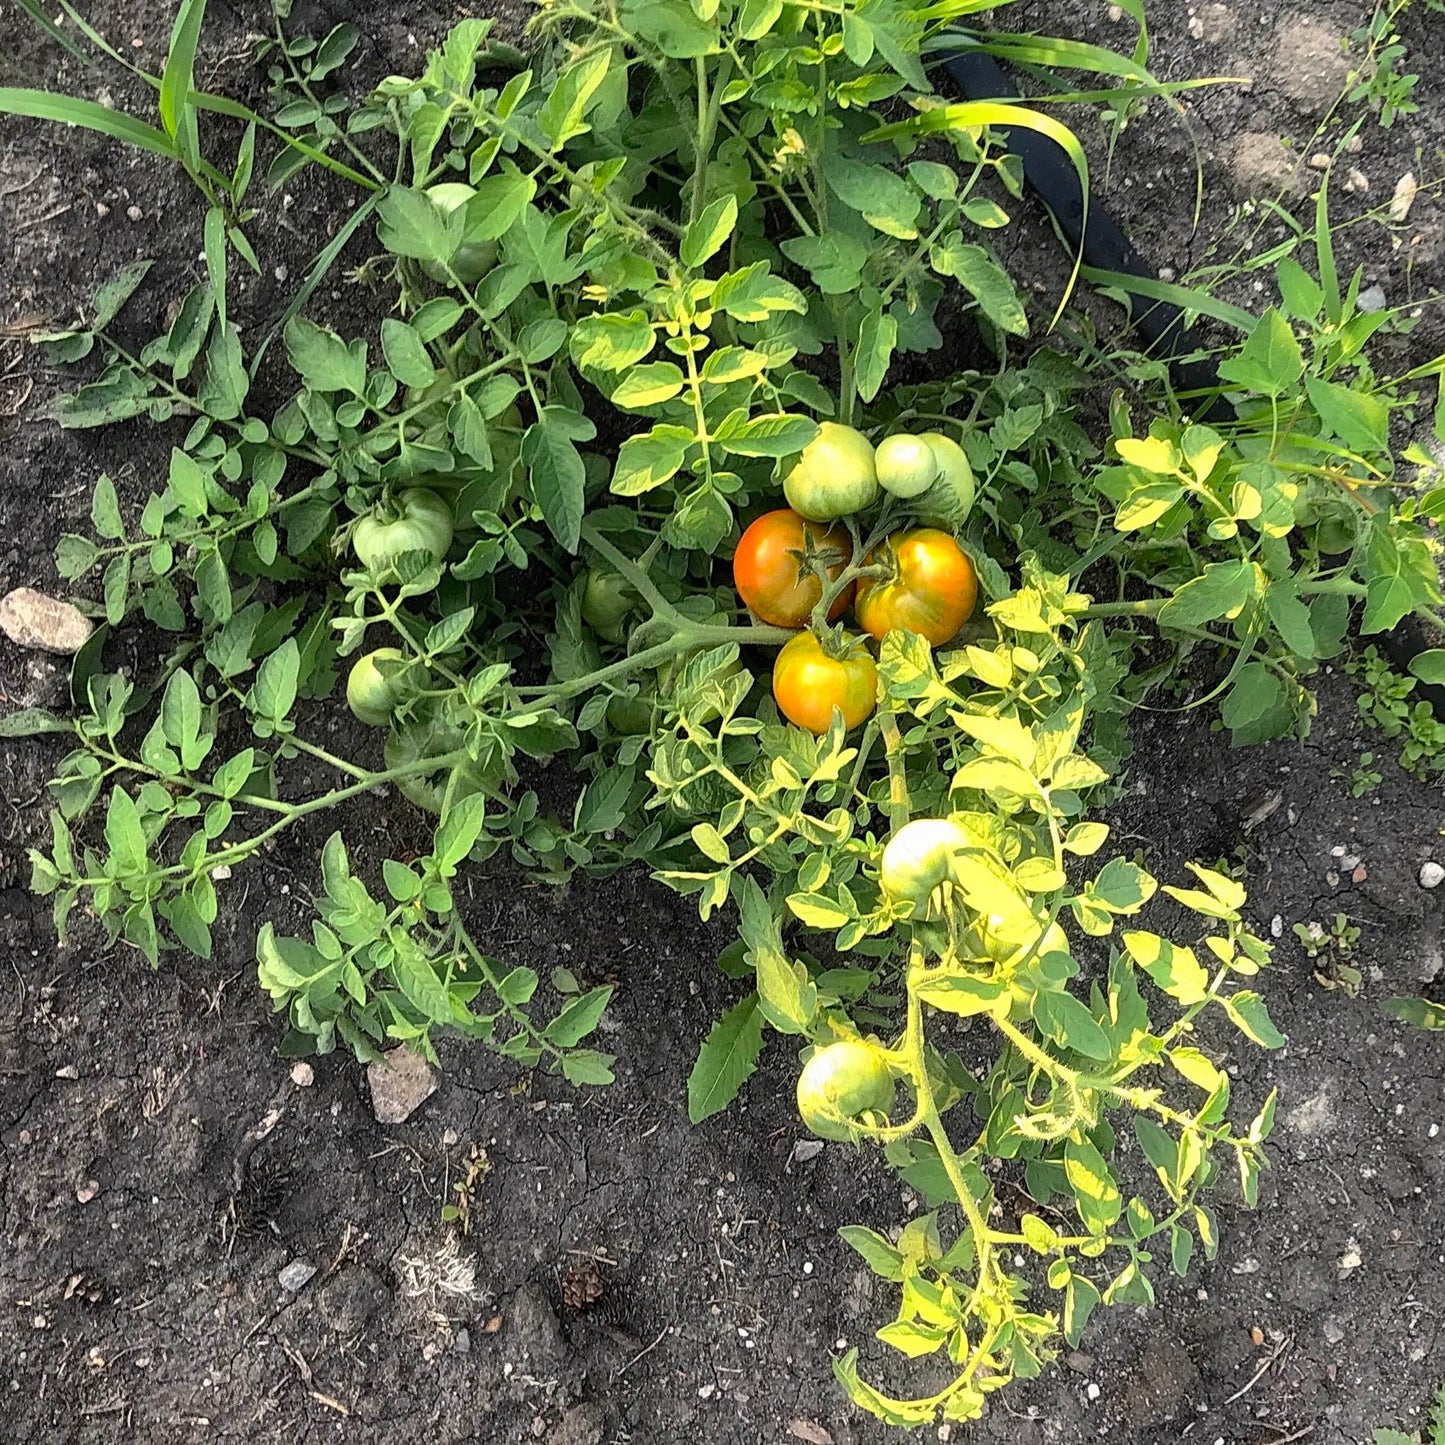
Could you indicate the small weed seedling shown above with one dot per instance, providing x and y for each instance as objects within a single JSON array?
[
  {"x": 1381, "y": 81},
  {"x": 1362, "y": 778},
  {"x": 1387, "y": 703},
  {"x": 1330, "y": 949}
]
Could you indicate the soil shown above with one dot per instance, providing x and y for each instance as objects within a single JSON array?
[{"x": 140, "y": 1286}]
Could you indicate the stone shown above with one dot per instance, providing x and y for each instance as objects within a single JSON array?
[
  {"x": 31, "y": 619},
  {"x": 400, "y": 1084},
  {"x": 302, "y": 1074},
  {"x": 1215, "y": 24},
  {"x": 1310, "y": 65},
  {"x": 1432, "y": 875},
  {"x": 296, "y": 1276},
  {"x": 1262, "y": 164}
]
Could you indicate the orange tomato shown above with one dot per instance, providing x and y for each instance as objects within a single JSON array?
[
  {"x": 809, "y": 683},
  {"x": 932, "y": 588},
  {"x": 771, "y": 573}
]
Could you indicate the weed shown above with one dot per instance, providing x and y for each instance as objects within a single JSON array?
[
  {"x": 1363, "y": 778},
  {"x": 1387, "y": 703},
  {"x": 1380, "y": 81}
]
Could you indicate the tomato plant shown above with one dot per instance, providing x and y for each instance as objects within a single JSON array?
[
  {"x": 775, "y": 572},
  {"x": 812, "y": 680},
  {"x": 659, "y": 280},
  {"x": 928, "y": 586}
]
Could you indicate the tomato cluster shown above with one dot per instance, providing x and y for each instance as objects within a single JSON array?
[{"x": 918, "y": 580}]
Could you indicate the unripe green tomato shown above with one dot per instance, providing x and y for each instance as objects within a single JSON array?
[
  {"x": 839, "y": 1083},
  {"x": 473, "y": 258},
  {"x": 371, "y": 694},
  {"x": 950, "y": 499},
  {"x": 608, "y": 599},
  {"x": 835, "y": 475},
  {"x": 918, "y": 858},
  {"x": 907, "y": 465},
  {"x": 631, "y": 716},
  {"x": 416, "y": 520},
  {"x": 1009, "y": 948}
]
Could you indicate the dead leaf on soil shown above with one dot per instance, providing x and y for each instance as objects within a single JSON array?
[
  {"x": 807, "y": 1430},
  {"x": 31, "y": 619},
  {"x": 400, "y": 1084}
]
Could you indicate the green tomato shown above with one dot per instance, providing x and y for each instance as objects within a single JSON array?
[
  {"x": 907, "y": 465},
  {"x": 918, "y": 859},
  {"x": 608, "y": 599},
  {"x": 841, "y": 1082},
  {"x": 835, "y": 475},
  {"x": 473, "y": 258},
  {"x": 631, "y": 716},
  {"x": 373, "y": 691},
  {"x": 949, "y": 500},
  {"x": 417, "y": 520}
]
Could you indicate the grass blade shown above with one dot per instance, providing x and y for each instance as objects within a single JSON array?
[
  {"x": 180, "y": 64},
  {"x": 970, "y": 114},
  {"x": 1325, "y": 254},
  {"x": 1187, "y": 298},
  {"x": 319, "y": 267},
  {"x": 38, "y": 15},
  {"x": 68, "y": 110}
]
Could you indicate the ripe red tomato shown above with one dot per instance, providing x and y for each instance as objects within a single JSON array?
[
  {"x": 808, "y": 683},
  {"x": 772, "y": 576},
  {"x": 932, "y": 588}
]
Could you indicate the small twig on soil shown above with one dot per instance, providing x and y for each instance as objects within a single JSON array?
[
  {"x": 639, "y": 1355},
  {"x": 1298, "y": 1435},
  {"x": 41, "y": 220},
  {"x": 1259, "y": 1374}
]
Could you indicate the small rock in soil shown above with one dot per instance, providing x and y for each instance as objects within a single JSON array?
[
  {"x": 533, "y": 1330},
  {"x": 31, "y": 619},
  {"x": 87, "y": 1191},
  {"x": 1334, "y": 1331},
  {"x": 302, "y": 1074},
  {"x": 1432, "y": 875},
  {"x": 400, "y": 1084},
  {"x": 1310, "y": 64},
  {"x": 1214, "y": 25},
  {"x": 583, "y": 1424},
  {"x": 296, "y": 1276},
  {"x": 1406, "y": 189},
  {"x": 1261, "y": 163}
]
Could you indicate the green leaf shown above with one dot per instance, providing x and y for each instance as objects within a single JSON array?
[
  {"x": 766, "y": 434},
  {"x": 816, "y": 911},
  {"x": 1250, "y": 1016},
  {"x": 1291, "y": 618},
  {"x": 116, "y": 292},
  {"x": 578, "y": 1018},
  {"x": 1223, "y": 589},
  {"x": 881, "y": 196},
  {"x": 880, "y": 1256},
  {"x": 877, "y": 337},
  {"x": 181, "y": 717},
  {"x": 706, "y": 236},
  {"x": 124, "y": 835},
  {"x": 1121, "y": 887},
  {"x": 406, "y": 355},
  {"x": 729, "y": 1055},
  {"x": 1430, "y": 666},
  {"x": 1270, "y": 362},
  {"x": 1095, "y": 1190},
  {"x": 416, "y": 975},
  {"x": 47, "y": 105},
  {"x": 409, "y": 224},
  {"x": 834, "y": 259},
  {"x": 105, "y": 511},
  {"x": 323, "y": 360},
  {"x": 754, "y": 293},
  {"x": 985, "y": 280},
  {"x": 557, "y": 474},
  {"x": 1070, "y": 1024},
  {"x": 561, "y": 116},
  {"x": 459, "y": 830},
  {"x": 650, "y": 459},
  {"x": 587, "y": 1066},
  {"x": 1256, "y": 696},
  {"x": 1358, "y": 420},
  {"x": 649, "y": 385},
  {"x": 273, "y": 694},
  {"x": 963, "y": 994},
  {"x": 30, "y": 722},
  {"x": 175, "y": 86},
  {"x": 1172, "y": 967}
]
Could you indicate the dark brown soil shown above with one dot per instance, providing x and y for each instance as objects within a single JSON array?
[{"x": 133, "y": 1308}]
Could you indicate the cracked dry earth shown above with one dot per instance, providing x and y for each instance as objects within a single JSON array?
[{"x": 626, "y": 1277}]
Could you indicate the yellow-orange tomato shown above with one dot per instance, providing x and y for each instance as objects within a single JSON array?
[
  {"x": 773, "y": 578},
  {"x": 932, "y": 587},
  {"x": 809, "y": 683}
]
